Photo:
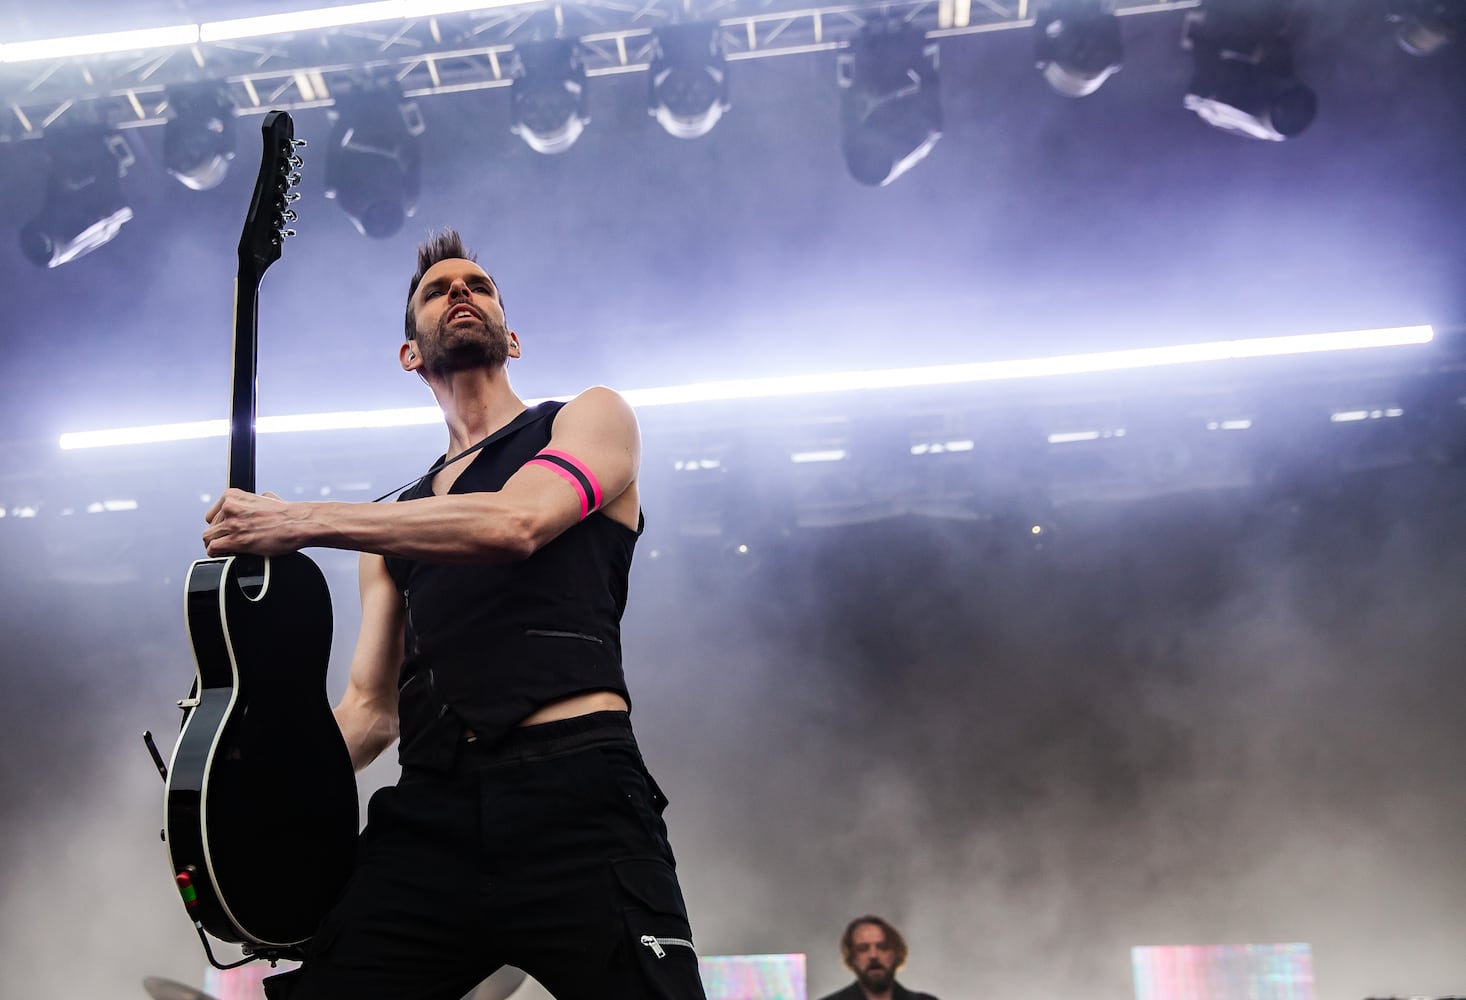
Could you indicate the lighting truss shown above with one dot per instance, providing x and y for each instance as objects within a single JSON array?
[{"x": 439, "y": 54}]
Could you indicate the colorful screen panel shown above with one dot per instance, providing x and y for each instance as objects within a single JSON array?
[
  {"x": 753, "y": 977},
  {"x": 1223, "y": 972}
]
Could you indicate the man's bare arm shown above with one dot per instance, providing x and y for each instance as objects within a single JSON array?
[
  {"x": 598, "y": 427},
  {"x": 367, "y": 713}
]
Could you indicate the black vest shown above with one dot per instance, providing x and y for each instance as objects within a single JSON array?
[{"x": 487, "y": 645}]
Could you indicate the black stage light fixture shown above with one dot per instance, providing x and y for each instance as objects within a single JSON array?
[
  {"x": 1242, "y": 79},
  {"x": 890, "y": 112},
  {"x": 84, "y": 206},
  {"x": 1423, "y": 27},
  {"x": 198, "y": 141},
  {"x": 1078, "y": 44},
  {"x": 689, "y": 80},
  {"x": 373, "y": 161},
  {"x": 548, "y": 96}
]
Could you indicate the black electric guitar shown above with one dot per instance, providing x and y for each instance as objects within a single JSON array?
[{"x": 261, "y": 807}]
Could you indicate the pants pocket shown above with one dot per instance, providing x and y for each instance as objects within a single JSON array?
[
  {"x": 638, "y": 797},
  {"x": 657, "y": 930}
]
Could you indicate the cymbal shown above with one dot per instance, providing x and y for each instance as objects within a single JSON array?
[{"x": 166, "y": 989}]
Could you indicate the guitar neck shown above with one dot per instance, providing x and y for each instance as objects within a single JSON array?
[
  {"x": 259, "y": 247},
  {"x": 242, "y": 404}
]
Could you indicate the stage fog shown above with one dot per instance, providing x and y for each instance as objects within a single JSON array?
[{"x": 1039, "y": 669}]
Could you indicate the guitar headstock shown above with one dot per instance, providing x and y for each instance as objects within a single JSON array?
[{"x": 266, "y": 225}]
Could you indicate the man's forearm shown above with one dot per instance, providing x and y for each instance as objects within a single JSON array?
[
  {"x": 449, "y": 529},
  {"x": 367, "y": 730}
]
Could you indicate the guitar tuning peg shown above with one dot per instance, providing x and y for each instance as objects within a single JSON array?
[
  {"x": 287, "y": 233},
  {"x": 293, "y": 196},
  {"x": 296, "y": 162},
  {"x": 293, "y": 179},
  {"x": 298, "y": 143},
  {"x": 289, "y": 216}
]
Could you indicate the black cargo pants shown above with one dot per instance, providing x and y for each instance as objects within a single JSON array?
[{"x": 546, "y": 852}]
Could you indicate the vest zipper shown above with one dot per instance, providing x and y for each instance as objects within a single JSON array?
[
  {"x": 552, "y": 633},
  {"x": 411, "y": 628},
  {"x": 655, "y": 944}
]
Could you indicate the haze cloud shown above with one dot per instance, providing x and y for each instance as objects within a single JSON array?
[{"x": 1230, "y": 716}]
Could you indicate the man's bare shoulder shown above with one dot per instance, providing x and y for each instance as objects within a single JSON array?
[
  {"x": 599, "y": 406},
  {"x": 597, "y": 397}
]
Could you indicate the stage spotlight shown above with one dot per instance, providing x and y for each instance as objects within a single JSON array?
[
  {"x": 1422, "y": 27},
  {"x": 891, "y": 115},
  {"x": 1242, "y": 80},
  {"x": 373, "y": 161},
  {"x": 1078, "y": 44},
  {"x": 198, "y": 141},
  {"x": 548, "y": 95},
  {"x": 689, "y": 80},
  {"x": 84, "y": 205}
]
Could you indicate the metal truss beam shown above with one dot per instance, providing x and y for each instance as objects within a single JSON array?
[{"x": 466, "y": 52}]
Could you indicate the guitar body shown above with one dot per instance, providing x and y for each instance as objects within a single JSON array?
[{"x": 261, "y": 799}]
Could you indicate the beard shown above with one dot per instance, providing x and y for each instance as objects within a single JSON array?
[
  {"x": 456, "y": 349},
  {"x": 875, "y": 980}
]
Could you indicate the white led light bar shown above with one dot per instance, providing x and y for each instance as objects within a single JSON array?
[
  {"x": 828, "y": 455},
  {"x": 337, "y": 421},
  {"x": 1353, "y": 416},
  {"x": 410, "y": 416},
  {"x": 92, "y": 45},
  {"x": 111, "y": 506},
  {"x": 300, "y": 20},
  {"x": 802, "y": 385},
  {"x": 942, "y": 447},
  {"x": 315, "y": 19},
  {"x": 993, "y": 371},
  {"x": 1073, "y": 437},
  {"x": 145, "y": 435}
]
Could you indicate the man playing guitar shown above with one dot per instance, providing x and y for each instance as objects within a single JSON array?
[{"x": 525, "y": 828}]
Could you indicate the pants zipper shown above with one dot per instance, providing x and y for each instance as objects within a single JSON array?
[{"x": 655, "y": 944}]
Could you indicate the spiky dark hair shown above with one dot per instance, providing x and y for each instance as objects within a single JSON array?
[{"x": 445, "y": 244}]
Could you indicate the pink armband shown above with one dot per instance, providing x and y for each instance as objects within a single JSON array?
[{"x": 574, "y": 472}]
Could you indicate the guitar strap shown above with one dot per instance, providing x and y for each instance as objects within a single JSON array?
[{"x": 526, "y": 416}]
